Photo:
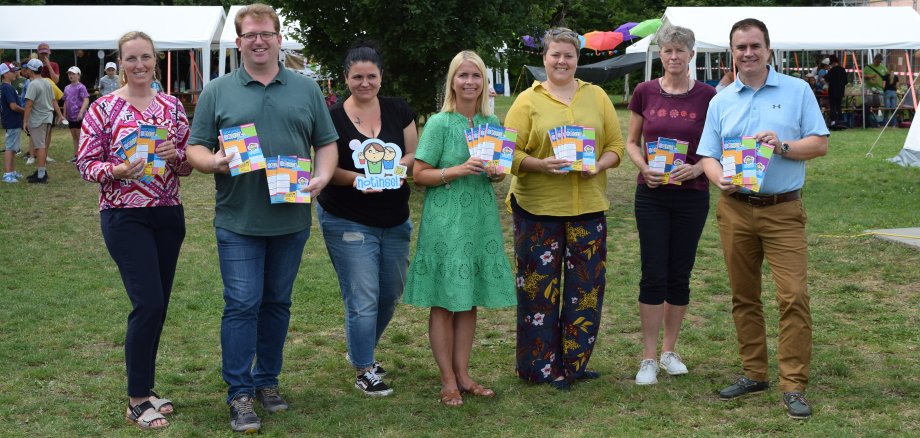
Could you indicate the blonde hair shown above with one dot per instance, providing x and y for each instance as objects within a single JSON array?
[
  {"x": 257, "y": 11},
  {"x": 131, "y": 36},
  {"x": 450, "y": 97}
]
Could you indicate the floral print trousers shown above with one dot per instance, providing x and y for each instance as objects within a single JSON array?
[{"x": 560, "y": 278}]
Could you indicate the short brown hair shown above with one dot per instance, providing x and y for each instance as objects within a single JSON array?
[
  {"x": 257, "y": 11},
  {"x": 750, "y": 22},
  {"x": 561, "y": 35}
]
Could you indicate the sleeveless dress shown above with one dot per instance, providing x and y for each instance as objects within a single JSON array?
[{"x": 460, "y": 259}]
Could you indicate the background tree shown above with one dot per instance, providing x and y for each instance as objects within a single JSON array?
[{"x": 417, "y": 38}]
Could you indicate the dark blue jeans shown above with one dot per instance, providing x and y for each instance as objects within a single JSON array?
[
  {"x": 670, "y": 223},
  {"x": 144, "y": 242},
  {"x": 258, "y": 274}
]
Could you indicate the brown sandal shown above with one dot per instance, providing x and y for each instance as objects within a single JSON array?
[
  {"x": 479, "y": 391},
  {"x": 451, "y": 398}
]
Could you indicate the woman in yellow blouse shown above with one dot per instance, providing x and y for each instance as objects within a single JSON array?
[{"x": 560, "y": 228}]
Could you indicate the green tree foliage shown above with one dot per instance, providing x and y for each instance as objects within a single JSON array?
[{"x": 417, "y": 38}]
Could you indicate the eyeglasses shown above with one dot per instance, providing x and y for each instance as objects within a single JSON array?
[{"x": 251, "y": 36}]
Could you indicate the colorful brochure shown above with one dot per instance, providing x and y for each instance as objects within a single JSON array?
[
  {"x": 745, "y": 161},
  {"x": 149, "y": 138},
  {"x": 577, "y": 144},
  {"x": 130, "y": 151},
  {"x": 287, "y": 175},
  {"x": 493, "y": 144},
  {"x": 244, "y": 143},
  {"x": 673, "y": 153}
]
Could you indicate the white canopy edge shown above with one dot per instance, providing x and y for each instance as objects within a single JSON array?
[{"x": 99, "y": 27}]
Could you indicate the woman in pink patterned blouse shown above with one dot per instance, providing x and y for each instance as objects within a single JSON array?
[{"x": 141, "y": 216}]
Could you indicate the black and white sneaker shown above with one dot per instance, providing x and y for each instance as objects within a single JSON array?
[{"x": 371, "y": 385}]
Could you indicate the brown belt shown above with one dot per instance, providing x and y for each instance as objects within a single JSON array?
[{"x": 767, "y": 200}]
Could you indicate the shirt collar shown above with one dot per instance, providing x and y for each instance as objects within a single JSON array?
[
  {"x": 772, "y": 80},
  {"x": 538, "y": 85},
  {"x": 281, "y": 77}
]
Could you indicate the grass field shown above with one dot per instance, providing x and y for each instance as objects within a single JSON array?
[{"x": 63, "y": 313}]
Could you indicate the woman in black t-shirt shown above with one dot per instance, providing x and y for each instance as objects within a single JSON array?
[{"x": 367, "y": 231}]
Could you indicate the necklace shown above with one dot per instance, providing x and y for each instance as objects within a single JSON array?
[
  {"x": 564, "y": 97},
  {"x": 664, "y": 93}
]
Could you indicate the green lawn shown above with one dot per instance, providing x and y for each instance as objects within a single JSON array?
[{"x": 64, "y": 309}]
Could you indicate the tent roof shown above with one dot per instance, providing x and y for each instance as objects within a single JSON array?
[
  {"x": 602, "y": 71},
  {"x": 805, "y": 28},
  {"x": 99, "y": 27},
  {"x": 228, "y": 35}
]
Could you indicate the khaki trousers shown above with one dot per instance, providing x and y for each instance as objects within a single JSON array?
[{"x": 778, "y": 232}]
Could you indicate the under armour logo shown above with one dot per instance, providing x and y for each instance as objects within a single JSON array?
[{"x": 777, "y": 106}]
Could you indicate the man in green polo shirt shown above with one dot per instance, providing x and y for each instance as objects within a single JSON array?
[{"x": 259, "y": 244}]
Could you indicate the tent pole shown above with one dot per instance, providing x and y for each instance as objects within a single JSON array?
[
  {"x": 169, "y": 73},
  {"x": 910, "y": 76}
]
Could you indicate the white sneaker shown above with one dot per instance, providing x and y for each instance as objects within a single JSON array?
[
  {"x": 49, "y": 159},
  {"x": 648, "y": 372},
  {"x": 670, "y": 362},
  {"x": 30, "y": 161}
]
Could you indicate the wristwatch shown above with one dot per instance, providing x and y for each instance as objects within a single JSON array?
[{"x": 784, "y": 148}]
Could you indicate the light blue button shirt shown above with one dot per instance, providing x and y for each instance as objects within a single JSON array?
[{"x": 784, "y": 104}]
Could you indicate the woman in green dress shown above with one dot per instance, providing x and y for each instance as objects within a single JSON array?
[{"x": 460, "y": 260}]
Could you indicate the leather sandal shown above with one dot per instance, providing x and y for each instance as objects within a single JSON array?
[
  {"x": 158, "y": 404},
  {"x": 479, "y": 391},
  {"x": 451, "y": 398},
  {"x": 144, "y": 415}
]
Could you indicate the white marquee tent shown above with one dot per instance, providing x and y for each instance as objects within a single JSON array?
[
  {"x": 800, "y": 28},
  {"x": 910, "y": 154},
  {"x": 99, "y": 27},
  {"x": 228, "y": 39}
]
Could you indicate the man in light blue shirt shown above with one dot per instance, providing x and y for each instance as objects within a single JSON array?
[{"x": 782, "y": 111}]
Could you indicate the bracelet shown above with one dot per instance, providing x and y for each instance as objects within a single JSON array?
[{"x": 444, "y": 181}]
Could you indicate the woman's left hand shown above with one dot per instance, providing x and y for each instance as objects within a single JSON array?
[
  {"x": 591, "y": 173},
  {"x": 167, "y": 151},
  {"x": 685, "y": 172},
  {"x": 495, "y": 174}
]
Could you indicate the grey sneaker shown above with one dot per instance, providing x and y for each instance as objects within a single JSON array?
[
  {"x": 243, "y": 417},
  {"x": 742, "y": 386},
  {"x": 271, "y": 399},
  {"x": 797, "y": 406}
]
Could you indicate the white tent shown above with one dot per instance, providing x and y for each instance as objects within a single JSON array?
[
  {"x": 910, "y": 154},
  {"x": 803, "y": 28},
  {"x": 99, "y": 27},
  {"x": 228, "y": 39}
]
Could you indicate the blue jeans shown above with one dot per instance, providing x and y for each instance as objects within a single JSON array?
[
  {"x": 258, "y": 274},
  {"x": 371, "y": 264}
]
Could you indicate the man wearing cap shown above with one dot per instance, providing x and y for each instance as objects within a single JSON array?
[
  {"x": 11, "y": 120},
  {"x": 38, "y": 117},
  {"x": 781, "y": 111},
  {"x": 109, "y": 82},
  {"x": 50, "y": 68}
]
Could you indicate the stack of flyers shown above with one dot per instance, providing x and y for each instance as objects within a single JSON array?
[
  {"x": 666, "y": 154},
  {"x": 244, "y": 143},
  {"x": 576, "y": 144},
  {"x": 745, "y": 161},
  {"x": 286, "y": 175},
  {"x": 493, "y": 144},
  {"x": 132, "y": 151},
  {"x": 149, "y": 138}
]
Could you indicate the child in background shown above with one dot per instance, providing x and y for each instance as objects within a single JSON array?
[
  {"x": 11, "y": 120},
  {"x": 76, "y": 100},
  {"x": 109, "y": 82}
]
